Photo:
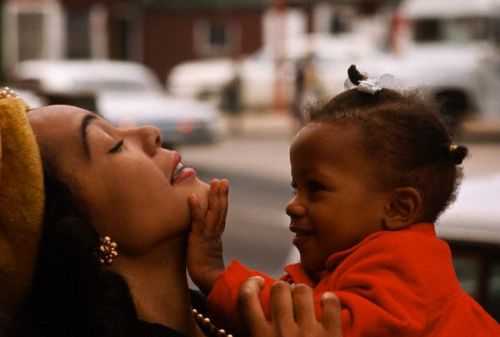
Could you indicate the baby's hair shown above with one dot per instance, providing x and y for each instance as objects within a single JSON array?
[
  {"x": 354, "y": 75},
  {"x": 404, "y": 139}
]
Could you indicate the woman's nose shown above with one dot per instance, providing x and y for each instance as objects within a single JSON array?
[
  {"x": 295, "y": 209},
  {"x": 150, "y": 138}
]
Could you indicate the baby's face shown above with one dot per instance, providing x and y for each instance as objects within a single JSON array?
[{"x": 336, "y": 203}]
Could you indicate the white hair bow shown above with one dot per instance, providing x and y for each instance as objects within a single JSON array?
[{"x": 373, "y": 85}]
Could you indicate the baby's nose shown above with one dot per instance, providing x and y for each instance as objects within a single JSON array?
[{"x": 295, "y": 208}]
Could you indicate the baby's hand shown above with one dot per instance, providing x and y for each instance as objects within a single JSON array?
[
  {"x": 204, "y": 253},
  {"x": 292, "y": 311}
]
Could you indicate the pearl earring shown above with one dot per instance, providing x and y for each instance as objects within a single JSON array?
[{"x": 107, "y": 250}]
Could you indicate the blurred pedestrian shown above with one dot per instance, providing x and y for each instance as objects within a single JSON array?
[
  {"x": 231, "y": 98},
  {"x": 307, "y": 88}
]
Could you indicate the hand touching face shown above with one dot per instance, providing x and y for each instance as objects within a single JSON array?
[{"x": 204, "y": 255}]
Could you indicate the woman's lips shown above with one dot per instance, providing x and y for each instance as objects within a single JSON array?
[
  {"x": 179, "y": 171},
  {"x": 187, "y": 172}
]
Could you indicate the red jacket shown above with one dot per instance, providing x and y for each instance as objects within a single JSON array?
[{"x": 393, "y": 283}]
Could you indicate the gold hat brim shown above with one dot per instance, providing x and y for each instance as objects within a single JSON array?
[{"x": 21, "y": 203}]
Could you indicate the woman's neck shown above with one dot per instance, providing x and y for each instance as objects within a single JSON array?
[{"x": 158, "y": 284}]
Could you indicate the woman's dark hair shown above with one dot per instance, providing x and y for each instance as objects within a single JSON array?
[
  {"x": 72, "y": 295},
  {"x": 404, "y": 138}
]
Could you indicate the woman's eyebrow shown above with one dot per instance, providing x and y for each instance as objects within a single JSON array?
[{"x": 87, "y": 119}]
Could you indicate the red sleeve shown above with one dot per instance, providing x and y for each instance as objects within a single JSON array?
[{"x": 222, "y": 301}]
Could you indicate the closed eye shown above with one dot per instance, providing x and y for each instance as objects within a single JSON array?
[
  {"x": 315, "y": 186},
  {"x": 117, "y": 147},
  {"x": 294, "y": 187}
]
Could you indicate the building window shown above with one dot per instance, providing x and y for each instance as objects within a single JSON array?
[
  {"x": 78, "y": 37},
  {"x": 216, "y": 38},
  {"x": 30, "y": 31},
  {"x": 340, "y": 21}
]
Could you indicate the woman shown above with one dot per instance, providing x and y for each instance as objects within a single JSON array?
[
  {"x": 111, "y": 260},
  {"x": 104, "y": 182}
]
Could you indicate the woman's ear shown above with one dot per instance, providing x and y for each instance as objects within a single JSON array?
[{"x": 402, "y": 209}]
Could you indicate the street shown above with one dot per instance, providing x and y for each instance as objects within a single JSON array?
[{"x": 256, "y": 164}]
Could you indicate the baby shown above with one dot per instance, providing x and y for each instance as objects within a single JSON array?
[{"x": 372, "y": 170}]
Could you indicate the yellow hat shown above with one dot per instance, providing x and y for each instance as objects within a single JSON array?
[{"x": 21, "y": 203}]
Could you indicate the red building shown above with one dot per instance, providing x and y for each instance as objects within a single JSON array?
[{"x": 158, "y": 33}]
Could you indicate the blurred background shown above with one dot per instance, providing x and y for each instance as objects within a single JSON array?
[{"x": 226, "y": 81}]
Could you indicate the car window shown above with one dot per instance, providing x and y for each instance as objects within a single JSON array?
[
  {"x": 478, "y": 270},
  {"x": 468, "y": 269},
  {"x": 451, "y": 30},
  {"x": 493, "y": 303}
]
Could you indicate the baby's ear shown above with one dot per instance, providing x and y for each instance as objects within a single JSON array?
[{"x": 403, "y": 208}]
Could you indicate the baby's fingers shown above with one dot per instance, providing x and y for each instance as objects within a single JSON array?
[
  {"x": 250, "y": 308},
  {"x": 196, "y": 215},
  {"x": 224, "y": 192},
  {"x": 214, "y": 208},
  {"x": 331, "y": 319}
]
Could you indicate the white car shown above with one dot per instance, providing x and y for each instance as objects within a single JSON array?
[
  {"x": 124, "y": 93},
  {"x": 448, "y": 46},
  {"x": 206, "y": 78},
  {"x": 472, "y": 228},
  {"x": 30, "y": 98},
  {"x": 445, "y": 47}
]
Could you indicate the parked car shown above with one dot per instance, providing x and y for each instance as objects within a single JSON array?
[
  {"x": 207, "y": 78},
  {"x": 30, "y": 98},
  {"x": 444, "y": 46},
  {"x": 472, "y": 228},
  {"x": 123, "y": 93}
]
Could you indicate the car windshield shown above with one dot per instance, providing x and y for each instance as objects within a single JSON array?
[{"x": 459, "y": 30}]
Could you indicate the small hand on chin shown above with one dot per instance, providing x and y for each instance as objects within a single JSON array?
[{"x": 201, "y": 191}]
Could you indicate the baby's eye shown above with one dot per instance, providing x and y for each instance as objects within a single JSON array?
[
  {"x": 294, "y": 187},
  {"x": 315, "y": 186}
]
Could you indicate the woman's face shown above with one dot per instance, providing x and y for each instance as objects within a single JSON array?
[{"x": 132, "y": 189}]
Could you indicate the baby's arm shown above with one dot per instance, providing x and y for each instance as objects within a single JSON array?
[{"x": 204, "y": 255}]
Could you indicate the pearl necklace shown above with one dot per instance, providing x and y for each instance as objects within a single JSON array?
[
  {"x": 6, "y": 92},
  {"x": 207, "y": 326}
]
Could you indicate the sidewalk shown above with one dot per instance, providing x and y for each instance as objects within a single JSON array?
[
  {"x": 279, "y": 125},
  {"x": 261, "y": 148},
  {"x": 261, "y": 125},
  {"x": 477, "y": 130}
]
